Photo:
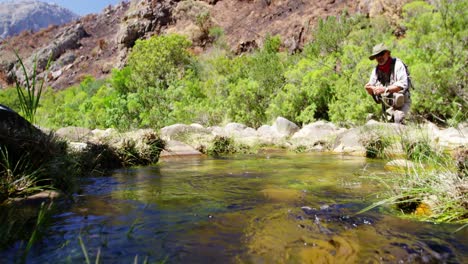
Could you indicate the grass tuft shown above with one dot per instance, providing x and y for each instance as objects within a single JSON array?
[
  {"x": 435, "y": 193},
  {"x": 30, "y": 93}
]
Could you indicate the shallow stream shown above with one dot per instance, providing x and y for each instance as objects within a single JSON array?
[{"x": 268, "y": 208}]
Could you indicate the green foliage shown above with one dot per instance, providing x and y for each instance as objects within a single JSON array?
[
  {"x": 60, "y": 109},
  {"x": 221, "y": 145},
  {"x": 18, "y": 177},
  {"x": 429, "y": 191},
  {"x": 330, "y": 35},
  {"x": 435, "y": 48},
  {"x": 9, "y": 97},
  {"x": 307, "y": 93},
  {"x": 120, "y": 80},
  {"x": 351, "y": 103},
  {"x": 143, "y": 98},
  {"x": 157, "y": 61},
  {"x": 39, "y": 163}
]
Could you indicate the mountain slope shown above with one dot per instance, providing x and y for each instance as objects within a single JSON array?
[{"x": 17, "y": 16}]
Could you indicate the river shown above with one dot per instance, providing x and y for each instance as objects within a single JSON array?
[{"x": 273, "y": 207}]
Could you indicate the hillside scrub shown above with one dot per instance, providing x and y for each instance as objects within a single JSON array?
[{"x": 163, "y": 83}]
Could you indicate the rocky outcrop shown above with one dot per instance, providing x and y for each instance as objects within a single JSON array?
[
  {"x": 144, "y": 17},
  {"x": 17, "y": 16},
  {"x": 67, "y": 40}
]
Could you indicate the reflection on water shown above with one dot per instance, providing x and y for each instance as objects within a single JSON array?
[{"x": 271, "y": 208}]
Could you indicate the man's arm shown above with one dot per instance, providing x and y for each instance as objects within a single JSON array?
[
  {"x": 373, "y": 84},
  {"x": 400, "y": 78}
]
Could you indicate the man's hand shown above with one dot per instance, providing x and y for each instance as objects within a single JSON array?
[
  {"x": 374, "y": 90},
  {"x": 369, "y": 89}
]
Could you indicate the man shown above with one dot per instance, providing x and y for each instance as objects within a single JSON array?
[{"x": 389, "y": 84}]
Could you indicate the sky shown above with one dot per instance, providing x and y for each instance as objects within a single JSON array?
[{"x": 80, "y": 7}]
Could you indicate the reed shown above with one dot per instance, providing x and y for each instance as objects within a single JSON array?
[
  {"x": 431, "y": 191},
  {"x": 29, "y": 94},
  {"x": 19, "y": 178}
]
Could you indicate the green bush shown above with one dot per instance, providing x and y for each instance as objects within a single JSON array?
[
  {"x": 435, "y": 49},
  {"x": 62, "y": 108},
  {"x": 9, "y": 97},
  {"x": 158, "y": 61}
]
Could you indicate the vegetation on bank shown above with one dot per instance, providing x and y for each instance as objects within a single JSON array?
[{"x": 429, "y": 183}]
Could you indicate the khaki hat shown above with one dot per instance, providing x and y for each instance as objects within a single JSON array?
[{"x": 378, "y": 49}]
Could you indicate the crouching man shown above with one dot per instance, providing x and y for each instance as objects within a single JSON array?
[{"x": 389, "y": 84}]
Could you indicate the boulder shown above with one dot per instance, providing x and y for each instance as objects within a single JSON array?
[
  {"x": 176, "y": 148},
  {"x": 143, "y": 18},
  {"x": 285, "y": 127},
  {"x": 106, "y": 133},
  {"x": 239, "y": 130},
  {"x": 316, "y": 135},
  {"x": 20, "y": 137},
  {"x": 349, "y": 142},
  {"x": 36, "y": 199},
  {"x": 452, "y": 138},
  {"x": 74, "y": 134},
  {"x": 182, "y": 131},
  {"x": 268, "y": 135}
]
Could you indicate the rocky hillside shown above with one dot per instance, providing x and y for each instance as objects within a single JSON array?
[
  {"x": 17, "y": 16},
  {"x": 96, "y": 43}
]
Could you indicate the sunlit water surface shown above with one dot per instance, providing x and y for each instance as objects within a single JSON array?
[{"x": 268, "y": 208}]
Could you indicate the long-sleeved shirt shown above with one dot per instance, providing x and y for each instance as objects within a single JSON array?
[{"x": 398, "y": 77}]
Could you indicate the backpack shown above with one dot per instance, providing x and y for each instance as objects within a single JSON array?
[{"x": 385, "y": 79}]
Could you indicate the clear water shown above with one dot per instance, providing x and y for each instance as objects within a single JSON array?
[{"x": 268, "y": 208}]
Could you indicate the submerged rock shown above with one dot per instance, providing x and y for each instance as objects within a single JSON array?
[{"x": 337, "y": 214}]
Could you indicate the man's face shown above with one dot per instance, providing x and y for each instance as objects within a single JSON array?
[{"x": 382, "y": 57}]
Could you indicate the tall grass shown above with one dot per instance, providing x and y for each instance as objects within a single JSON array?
[
  {"x": 18, "y": 178},
  {"x": 431, "y": 186},
  {"x": 431, "y": 191},
  {"x": 30, "y": 94}
]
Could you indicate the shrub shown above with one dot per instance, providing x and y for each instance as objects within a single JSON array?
[
  {"x": 221, "y": 145},
  {"x": 435, "y": 50},
  {"x": 158, "y": 61}
]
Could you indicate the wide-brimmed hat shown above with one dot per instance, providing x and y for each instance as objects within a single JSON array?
[{"x": 378, "y": 49}]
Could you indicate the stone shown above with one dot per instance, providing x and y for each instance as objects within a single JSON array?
[
  {"x": 239, "y": 130},
  {"x": 176, "y": 148},
  {"x": 316, "y": 135},
  {"x": 349, "y": 142},
  {"x": 76, "y": 134},
  {"x": 19, "y": 136},
  {"x": 285, "y": 127},
  {"x": 182, "y": 131}
]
